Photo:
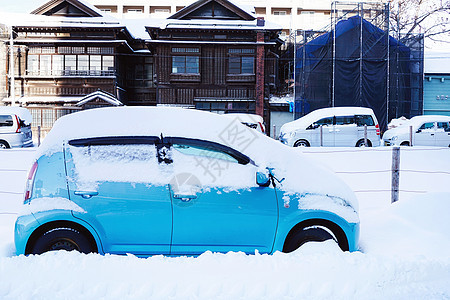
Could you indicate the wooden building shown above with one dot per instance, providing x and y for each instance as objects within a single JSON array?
[{"x": 211, "y": 55}]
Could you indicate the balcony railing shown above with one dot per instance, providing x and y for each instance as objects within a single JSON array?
[{"x": 73, "y": 73}]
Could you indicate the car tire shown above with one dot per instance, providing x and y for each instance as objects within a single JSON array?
[
  {"x": 301, "y": 143},
  {"x": 68, "y": 239},
  {"x": 305, "y": 235},
  {"x": 360, "y": 143},
  {"x": 404, "y": 144},
  {"x": 4, "y": 145}
]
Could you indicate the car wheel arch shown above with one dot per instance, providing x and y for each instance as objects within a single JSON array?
[
  {"x": 7, "y": 145},
  {"x": 38, "y": 232},
  {"x": 334, "y": 228}
]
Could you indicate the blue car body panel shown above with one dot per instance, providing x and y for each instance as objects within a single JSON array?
[
  {"x": 130, "y": 217},
  {"x": 146, "y": 219},
  {"x": 220, "y": 221}
]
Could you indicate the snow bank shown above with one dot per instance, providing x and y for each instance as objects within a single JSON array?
[{"x": 405, "y": 252}]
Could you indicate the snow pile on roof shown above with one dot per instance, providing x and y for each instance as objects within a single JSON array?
[
  {"x": 318, "y": 114},
  {"x": 282, "y": 100},
  {"x": 397, "y": 122},
  {"x": 178, "y": 122},
  {"x": 19, "y": 20},
  {"x": 23, "y": 113},
  {"x": 437, "y": 62}
]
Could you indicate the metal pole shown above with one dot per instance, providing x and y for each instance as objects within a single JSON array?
[
  {"x": 294, "y": 76},
  {"x": 365, "y": 136},
  {"x": 11, "y": 69},
  {"x": 39, "y": 135},
  {"x": 410, "y": 136},
  {"x": 388, "y": 65},
  {"x": 333, "y": 27},
  {"x": 274, "y": 132},
  {"x": 361, "y": 12},
  {"x": 395, "y": 174},
  {"x": 321, "y": 135}
]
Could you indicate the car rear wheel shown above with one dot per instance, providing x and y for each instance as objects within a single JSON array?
[
  {"x": 4, "y": 145},
  {"x": 301, "y": 143},
  {"x": 68, "y": 239},
  {"x": 360, "y": 143},
  {"x": 305, "y": 235}
]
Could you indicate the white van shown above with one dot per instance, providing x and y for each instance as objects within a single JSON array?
[
  {"x": 15, "y": 127},
  {"x": 340, "y": 126},
  {"x": 428, "y": 130}
]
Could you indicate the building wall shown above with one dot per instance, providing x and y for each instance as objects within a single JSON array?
[
  {"x": 436, "y": 94},
  {"x": 290, "y": 14}
]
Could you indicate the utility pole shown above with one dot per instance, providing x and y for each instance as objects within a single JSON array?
[{"x": 11, "y": 69}]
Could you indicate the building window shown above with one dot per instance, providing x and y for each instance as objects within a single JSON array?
[
  {"x": 64, "y": 62},
  {"x": 134, "y": 11},
  {"x": 185, "y": 64},
  {"x": 241, "y": 61}
]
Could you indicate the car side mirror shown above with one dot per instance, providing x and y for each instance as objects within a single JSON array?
[
  {"x": 419, "y": 131},
  {"x": 262, "y": 179}
]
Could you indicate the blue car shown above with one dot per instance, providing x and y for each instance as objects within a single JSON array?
[{"x": 172, "y": 181}]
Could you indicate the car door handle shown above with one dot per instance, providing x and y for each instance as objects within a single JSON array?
[
  {"x": 184, "y": 198},
  {"x": 86, "y": 194}
]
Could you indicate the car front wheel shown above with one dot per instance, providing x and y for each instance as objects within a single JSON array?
[
  {"x": 301, "y": 143},
  {"x": 68, "y": 239}
]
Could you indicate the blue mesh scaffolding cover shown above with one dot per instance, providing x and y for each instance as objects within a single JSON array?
[{"x": 314, "y": 70}]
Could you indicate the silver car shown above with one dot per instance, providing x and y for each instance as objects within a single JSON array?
[{"x": 15, "y": 127}]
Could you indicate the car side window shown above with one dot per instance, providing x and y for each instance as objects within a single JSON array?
[
  {"x": 6, "y": 121},
  {"x": 115, "y": 159},
  {"x": 445, "y": 126},
  {"x": 345, "y": 120},
  {"x": 322, "y": 122},
  {"x": 427, "y": 126},
  {"x": 362, "y": 120},
  {"x": 203, "y": 151}
]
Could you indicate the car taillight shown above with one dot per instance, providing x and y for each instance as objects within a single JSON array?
[
  {"x": 18, "y": 124},
  {"x": 378, "y": 129},
  {"x": 30, "y": 181},
  {"x": 262, "y": 127}
]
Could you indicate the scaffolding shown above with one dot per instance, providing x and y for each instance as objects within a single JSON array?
[{"x": 358, "y": 61}]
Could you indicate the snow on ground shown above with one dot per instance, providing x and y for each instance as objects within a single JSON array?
[{"x": 405, "y": 247}]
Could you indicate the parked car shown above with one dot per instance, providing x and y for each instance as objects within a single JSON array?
[
  {"x": 251, "y": 120},
  {"x": 178, "y": 182},
  {"x": 15, "y": 127},
  {"x": 339, "y": 126},
  {"x": 427, "y": 130}
]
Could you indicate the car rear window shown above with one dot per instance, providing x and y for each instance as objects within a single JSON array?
[
  {"x": 362, "y": 120},
  {"x": 6, "y": 121}
]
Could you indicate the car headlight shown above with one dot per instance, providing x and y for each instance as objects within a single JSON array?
[{"x": 394, "y": 138}]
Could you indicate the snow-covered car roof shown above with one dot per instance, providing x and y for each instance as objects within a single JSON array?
[
  {"x": 416, "y": 122},
  {"x": 195, "y": 124},
  {"x": 318, "y": 114},
  {"x": 23, "y": 113}
]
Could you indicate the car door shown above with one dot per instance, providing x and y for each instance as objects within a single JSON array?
[
  {"x": 327, "y": 132},
  {"x": 116, "y": 183},
  {"x": 442, "y": 134},
  {"x": 425, "y": 135},
  {"x": 217, "y": 205},
  {"x": 345, "y": 131}
]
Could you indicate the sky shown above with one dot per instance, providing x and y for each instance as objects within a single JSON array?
[{"x": 20, "y": 6}]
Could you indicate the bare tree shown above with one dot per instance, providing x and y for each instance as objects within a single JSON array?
[{"x": 428, "y": 17}]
